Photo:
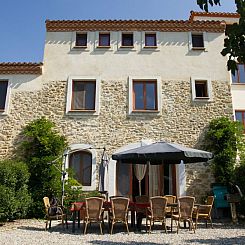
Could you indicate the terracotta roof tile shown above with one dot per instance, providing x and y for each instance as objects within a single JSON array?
[
  {"x": 213, "y": 14},
  {"x": 133, "y": 25},
  {"x": 20, "y": 68}
]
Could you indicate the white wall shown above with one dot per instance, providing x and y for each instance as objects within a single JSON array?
[
  {"x": 171, "y": 60},
  {"x": 238, "y": 96}
]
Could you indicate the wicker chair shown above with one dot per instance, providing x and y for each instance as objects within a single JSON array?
[
  {"x": 185, "y": 210},
  {"x": 94, "y": 210},
  {"x": 141, "y": 212},
  {"x": 157, "y": 211},
  {"x": 204, "y": 212},
  {"x": 119, "y": 211},
  {"x": 60, "y": 216},
  {"x": 170, "y": 200}
]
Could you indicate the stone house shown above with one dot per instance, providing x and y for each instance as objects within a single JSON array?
[{"x": 119, "y": 84}]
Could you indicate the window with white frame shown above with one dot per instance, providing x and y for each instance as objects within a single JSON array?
[
  {"x": 198, "y": 41},
  {"x": 150, "y": 40},
  {"x": 4, "y": 95},
  {"x": 104, "y": 40},
  {"x": 144, "y": 94},
  {"x": 201, "y": 89},
  {"x": 81, "y": 40},
  {"x": 83, "y": 95}
]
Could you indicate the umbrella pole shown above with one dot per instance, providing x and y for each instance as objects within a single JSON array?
[{"x": 139, "y": 187}]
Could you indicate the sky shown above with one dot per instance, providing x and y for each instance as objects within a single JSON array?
[{"x": 22, "y": 22}]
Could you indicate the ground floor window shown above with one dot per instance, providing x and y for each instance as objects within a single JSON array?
[
  {"x": 240, "y": 116},
  {"x": 81, "y": 163}
]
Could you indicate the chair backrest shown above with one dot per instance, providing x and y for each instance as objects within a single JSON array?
[
  {"x": 158, "y": 206},
  {"x": 210, "y": 200},
  {"x": 46, "y": 204},
  {"x": 119, "y": 207},
  {"x": 142, "y": 199},
  {"x": 94, "y": 207},
  {"x": 185, "y": 206},
  {"x": 170, "y": 198}
]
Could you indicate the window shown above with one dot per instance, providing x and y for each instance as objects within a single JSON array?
[
  {"x": 145, "y": 95},
  {"x": 150, "y": 40},
  {"x": 201, "y": 89},
  {"x": 197, "y": 41},
  {"x": 240, "y": 116},
  {"x": 104, "y": 40},
  {"x": 3, "y": 94},
  {"x": 127, "y": 40},
  {"x": 81, "y": 39},
  {"x": 81, "y": 163},
  {"x": 239, "y": 76},
  {"x": 83, "y": 97}
]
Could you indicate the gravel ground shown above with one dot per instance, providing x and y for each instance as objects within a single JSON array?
[{"x": 32, "y": 232}]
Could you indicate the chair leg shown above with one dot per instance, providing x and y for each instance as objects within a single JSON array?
[
  {"x": 126, "y": 223},
  {"x": 46, "y": 225},
  {"x": 178, "y": 225},
  {"x": 149, "y": 231},
  {"x": 112, "y": 224},
  {"x": 211, "y": 222},
  {"x": 85, "y": 229},
  {"x": 101, "y": 232},
  {"x": 49, "y": 224},
  {"x": 193, "y": 227},
  {"x": 165, "y": 227}
]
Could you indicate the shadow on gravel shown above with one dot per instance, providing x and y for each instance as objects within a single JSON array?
[
  {"x": 218, "y": 241},
  {"x": 129, "y": 242}
]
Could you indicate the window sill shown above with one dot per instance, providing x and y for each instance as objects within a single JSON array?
[
  {"x": 142, "y": 113},
  {"x": 150, "y": 47},
  {"x": 82, "y": 47},
  {"x": 82, "y": 113},
  {"x": 107, "y": 47},
  {"x": 243, "y": 83},
  {"x": 202, "y": 99},
  {"x": 129, "y": 47},
  {"x": 198, "y": 48}
]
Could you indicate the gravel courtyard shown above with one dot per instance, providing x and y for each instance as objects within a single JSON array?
[{"x": 32, "y": 232}]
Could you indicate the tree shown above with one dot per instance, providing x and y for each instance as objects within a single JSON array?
[
  {"x": 42, "y": 145},
  {"x": 225, "y": 139},
  {"x": 234, "y": 44}
]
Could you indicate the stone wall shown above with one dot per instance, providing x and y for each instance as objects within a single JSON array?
[{"x": 181, "y": 120}]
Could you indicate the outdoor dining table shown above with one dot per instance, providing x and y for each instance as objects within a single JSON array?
[{"x": 77, "y": 206}]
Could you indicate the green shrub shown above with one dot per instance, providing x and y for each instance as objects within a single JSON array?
[
  {"x": 224, "y": 137},
  {"x": 15, "y": 199},
  {"x": 42, "y": 145}
]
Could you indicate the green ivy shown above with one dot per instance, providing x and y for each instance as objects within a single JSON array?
[{"x": 225, "y": 139}]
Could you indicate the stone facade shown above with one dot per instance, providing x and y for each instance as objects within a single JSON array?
[{"x": 182, "y": 120}]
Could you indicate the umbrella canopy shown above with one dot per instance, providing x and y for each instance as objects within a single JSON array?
[{"x": 162, "y": 152}]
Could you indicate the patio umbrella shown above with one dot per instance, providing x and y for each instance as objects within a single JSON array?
[
  {"x": 103, "y": 171},
  {"x": 162, "y": 152}
]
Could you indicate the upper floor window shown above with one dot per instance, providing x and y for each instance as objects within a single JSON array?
[
  {"x": 3, "y": 94},
  {"x": 197, "y": 40},
  {"x": 104, "y": 39},
  {"x": 81, "y": 40},
  {"x": 81, "y": 163},
  {"x": 201, "y": 89},
  {"x": 239, "y": 76},
  {"x": 150, "y": 40},
  {"x": 83, "y": 95},
  {"x": 240, "y": 116},
  {"x": 145, "y": 95},
  {"x": 127, "y": 39}
]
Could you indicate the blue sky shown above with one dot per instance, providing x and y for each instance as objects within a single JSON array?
[{"x": 22, "y": 23}]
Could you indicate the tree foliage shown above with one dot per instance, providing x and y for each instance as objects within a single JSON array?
[
  {"x": 15, "y": 199},
  {"x": 225, "y": 139},
  {"x": 42, "y": 145},
  {"x": 234, "y": 44}
]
